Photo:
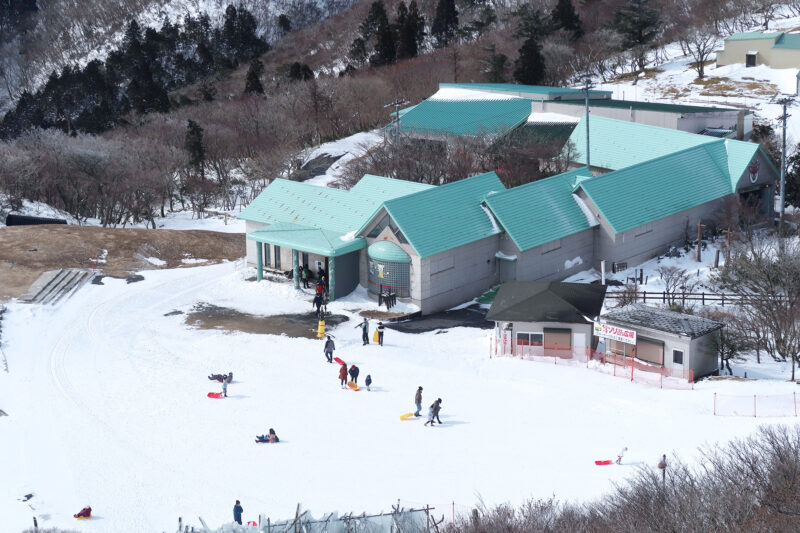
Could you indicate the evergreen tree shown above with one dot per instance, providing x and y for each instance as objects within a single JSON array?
[
  {"x": 358, "y": 51},
  {"x": 407, "y": 24},
  {"x": 193, "y": 144},
  {"x": 253, "y": 79},
  {"x": 284, "y": 24},
  {"x": 532, "y": 23},
  {"x": 377, "y": 13},
  {"x": 529, "y": 68},
  {"x": 564, "y": 17},
  {"x": 416, "y": 23},
  {"x": 445, "y": 22},
  {"x": 639, "y": 25},
  {"x": 385, "y": 51}
]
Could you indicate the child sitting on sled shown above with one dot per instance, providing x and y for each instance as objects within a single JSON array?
[
  {"x": 86, "y": 512},
  {"x": 269, "y": 437}
]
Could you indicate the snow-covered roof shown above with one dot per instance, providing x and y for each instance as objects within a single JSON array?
[
  {"x": 552, "y": 118},
  {"x": 662, "y": 320}
]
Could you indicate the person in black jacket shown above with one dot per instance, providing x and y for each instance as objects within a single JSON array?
[
  {"x": 368, "y": 381},
  {"x": 437, "y": 406},
  {"x": 354, "y": 374},
  {"x": 380, "y": 333},
  {"x": 329, "y": 348},
  {"x": 364, "y": 331},
  {"x": 317, "y": 302}
]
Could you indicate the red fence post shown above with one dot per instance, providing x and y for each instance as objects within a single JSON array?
[
  {"x": 715, "y": 404},
  {"x": 754, "y": 406},
  {"x": 662, "y": 377},
  {"x": 691, "y": 376},
  {"x": 633, "y": 366},
  {"x": 555, "y": 359},
  {"x": 794, "y": 397},
  {"x": 454, "y": 512}
]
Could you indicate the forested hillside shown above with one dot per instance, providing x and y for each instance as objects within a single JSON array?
[{"x": 202, "y": 110}]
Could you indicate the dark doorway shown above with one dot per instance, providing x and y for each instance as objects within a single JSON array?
[{"x": 750, "y": 60}]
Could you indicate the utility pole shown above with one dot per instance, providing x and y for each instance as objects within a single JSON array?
[
  {"x": 700, "y": 225},
  {"x": 785, "y": 101},
  {"x": 587, "y": 84}
]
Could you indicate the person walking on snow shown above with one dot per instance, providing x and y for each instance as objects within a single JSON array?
[
  {"x": 418, "y": 401},
  {"x": 380, "y": 333},
  {"x": 317, "y": 302},
  {"x": 368, "y": 381},
  {"x": 430, "y": 416},
  {"x": 343, "y": 374},
  {"x": 329, "y": 348},
  {"x": 354, "y": 374},
  {"x": 304, "y": 276},
  {"x": 437, "y": 406},
  {"x": 364, "y": 331},
  {"x": 237, "y": 513},
  {"x": 662, "y": 465},
  {"x": 225, "y": 381},
  {"x": 621, "y": 454}
]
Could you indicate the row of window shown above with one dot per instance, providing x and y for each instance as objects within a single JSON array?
[
  {"x": 387, "y": 221},
  {"x": 537, "y": 339}
]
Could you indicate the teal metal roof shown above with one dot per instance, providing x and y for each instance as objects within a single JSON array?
[
  {"x": 387, "y": 251},
  {"x": 751, "y": 35},
  {"x": 661, "y": 187},
  {"x": 789, "y": 41},
  {"x": 740, "y": 154},
  {"x": 649, "y": 106},
  {"x": 540, "y": 212},
  {"x": 325, "y": 207},
  {"x": 535, "y": 91},
  {"x": 466, "y": 118},
  {"x": 447, "y": 216},
  {"x": 617, "y": 144},
  {"x": 314, "y": 240}
]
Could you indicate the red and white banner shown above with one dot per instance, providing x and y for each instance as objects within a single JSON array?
[{"x": 607, "y": 331}]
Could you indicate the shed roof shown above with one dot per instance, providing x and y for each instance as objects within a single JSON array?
[
  {"x": 448, "y": 216},
  {"x": 789, "y": 41},
  {"x": 752, "y": 35},
  {"x": 541, "y": 301},
  {"x": 325, "y": 207},
  {"x": 650, "y": 106},
  {"x": 466, "y": 117},
  {"x": 542, "y": 211},
  {"x": 662, "y": 320},
  {"x": 314, "y": 240},
  {"x": 660, "y": 187},
  {"x": 534, "y": 91}
]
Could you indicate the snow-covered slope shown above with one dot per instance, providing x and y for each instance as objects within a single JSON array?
[{"x": 106, "y": 402}]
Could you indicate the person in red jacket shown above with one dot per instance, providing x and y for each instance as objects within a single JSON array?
[{"x": 343, "y": 374}]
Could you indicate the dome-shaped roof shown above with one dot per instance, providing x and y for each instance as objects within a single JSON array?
[{"x": 387, "y": 251}]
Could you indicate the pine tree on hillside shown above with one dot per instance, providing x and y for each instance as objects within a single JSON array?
[
  {"x": 193, "y": 144},
  {"x": 385, "y": 52},
  {"x": 284, "y": 24},
  {"x": 416, "y": 22},
  {"x": 253, "y": 79},
  {"x": 532, "y": 23},
  {"x": 564, "y": 17},
  {"x": 639, "y": 25},
  {"x": 529, "y": 68},
  {"x": 445, "y": 22},
  {"x": 369, "y": 27}
]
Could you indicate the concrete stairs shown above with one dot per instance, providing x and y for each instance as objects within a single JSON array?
[{"x": 54, "y": 285}]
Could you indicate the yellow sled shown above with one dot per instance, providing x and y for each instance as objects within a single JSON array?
[
  {"x": 407, "y": 416},
  {"x": 352, "y": 385},
  {"x": 83, "y": 517},
  {"x": 375, "y": 336}
]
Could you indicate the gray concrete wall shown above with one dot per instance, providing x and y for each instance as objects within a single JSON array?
[
  {"x": 581, "y": 333},
  {"x": 250, "y": 246},
  {"x": 455, "y": 276},
  {"x": 347, "y": 273},
  {"x": 704, "y": 355},
  {"x": 637, "y": 245},
  {"x": 557, "y": 259}
]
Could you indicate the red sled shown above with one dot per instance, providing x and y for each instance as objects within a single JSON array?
[
  {"x": 338, "y": 360},
  {"x": 602, "y": 463},
  {"x": 215, "y": 395}
]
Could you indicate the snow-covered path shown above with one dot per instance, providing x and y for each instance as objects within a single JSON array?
[{"x": 107, "y": 407}]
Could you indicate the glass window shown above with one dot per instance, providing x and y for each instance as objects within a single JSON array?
[
  {"x": 677, "y": 357},
  {"x": 530, "y": 339},
  {"x": 378, "y": 227}
]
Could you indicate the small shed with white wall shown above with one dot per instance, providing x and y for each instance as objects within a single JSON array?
[
  {"x": 545, "y": 318},
  {"x": 676, "y": 341}
]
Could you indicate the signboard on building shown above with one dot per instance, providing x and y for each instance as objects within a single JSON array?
[{"x": 607, "y": 331}]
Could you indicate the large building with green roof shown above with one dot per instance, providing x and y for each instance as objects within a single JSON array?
[
  {"x": 774, "y": 49},
  {"x": 439, "y": 246},
  {"x": 493, "y": 110}
]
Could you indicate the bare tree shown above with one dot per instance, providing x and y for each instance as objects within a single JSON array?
[{"x": 700, "y": 41}]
